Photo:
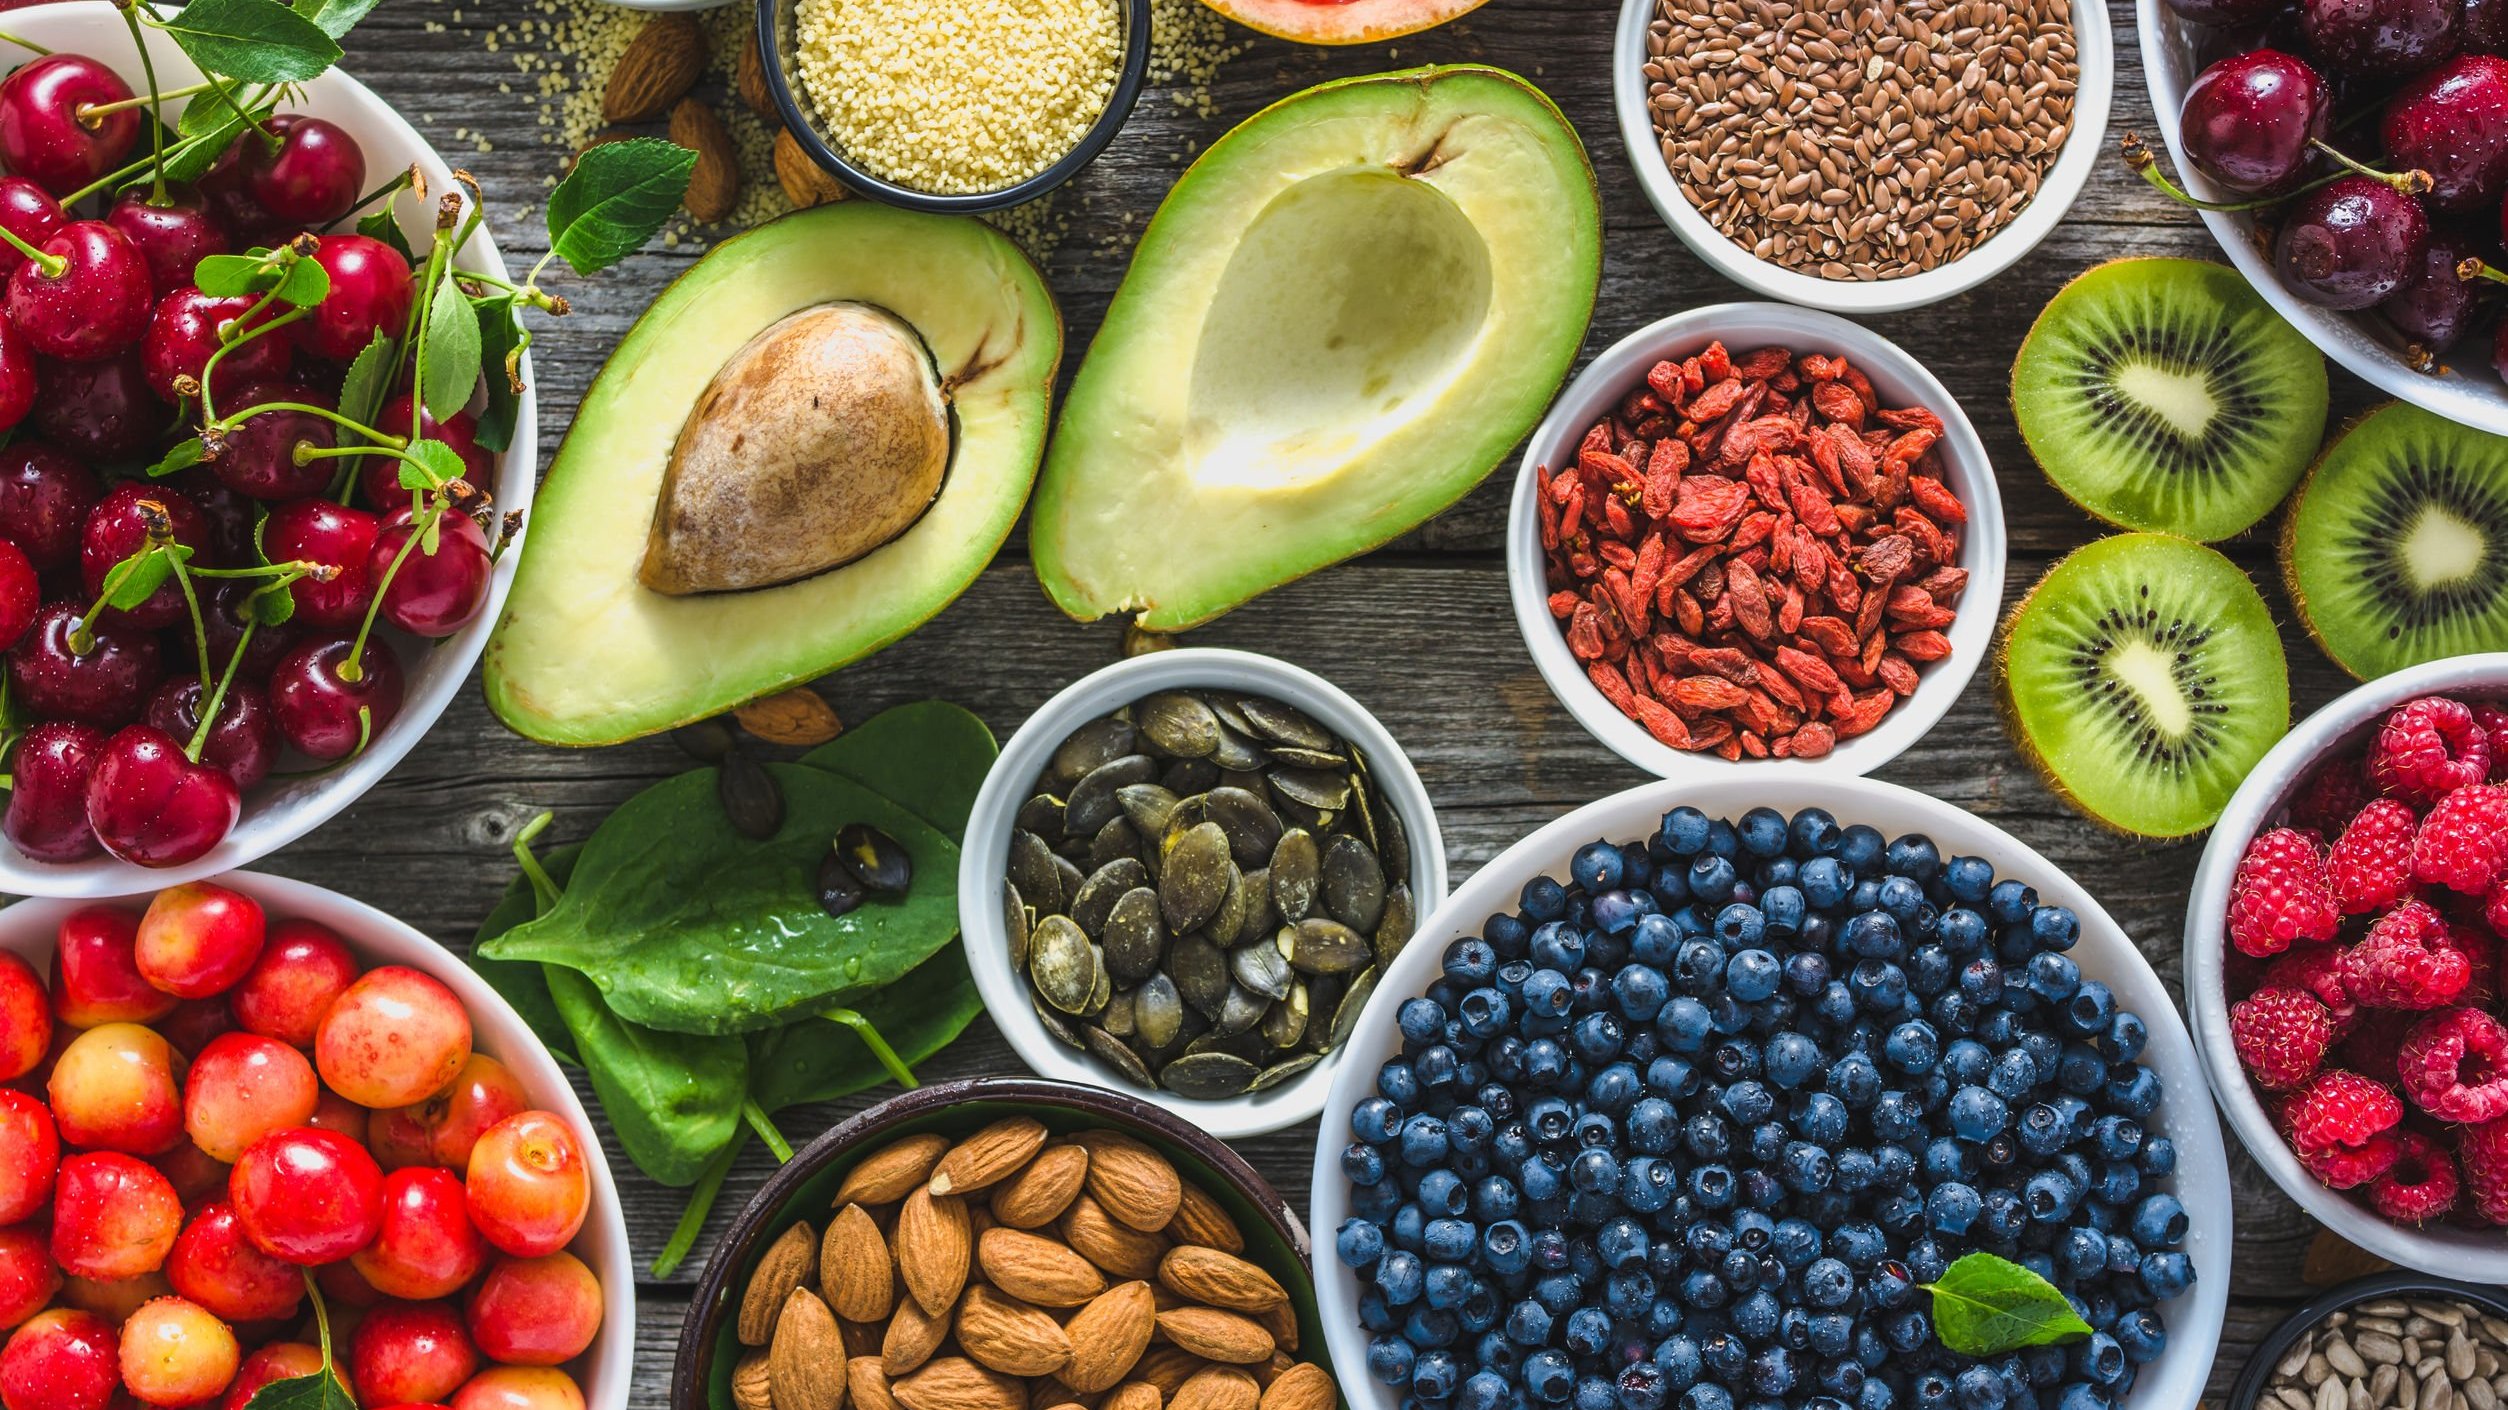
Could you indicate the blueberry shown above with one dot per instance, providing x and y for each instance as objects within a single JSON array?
[
  {"x": 1706, "y": 1395},
  {"x": 1741, "y": 925},
  {"x": 1684, "y": 832},
  {"x": 2050, "y": 1196},
  {"x": 1595, "y": 1172},
  {"x": 1642, "y": 1386},
  {"x": 1549, "y": 1375},
  {"x": 1389, "y": 1359},
  {"x": 1978, "y": 1388},
  {"x": 2014, "y": 1073},
  {"x": 1638, "y": 991},
  {"x": 1751, "y": 975},
  {"x": 2159, "y": 1222},
  {"x": 2168, "y": 1273},
  {"x": 2054, "y": 927},
  {"x": 1597, "y": 867},
  {"x": 1506, "y": 936},
  {"x": 1855, "y": 1081},
  {"x": 1420, "y": 1020},
  {"x": 1363, "y": 1163},
  {"x": 1805, "y": 1168},
  {"x": 2100, "y": 1358},
  {"x": 1712, "y": 879},
  {"x": 2133, "y": 1091},
  {"x": 1806, "y": 973},
  {"x": 2053, "y": 977},
  {"x": 1424, "y": 1141},
  {"x": 1952, "y": 1206},
  {"x": 2010, "y": 902},
  {"x": 1912, "y": 1048},
  {"x": 1781, "y": 906},
  {"x": 1484, "y": 1012},
  {"x": 1588, "y": 1330},
  {"x": 1544, "y": 899},
  {"x": 1482, "y": 1390},
  {"x": 2159, "y": 1156},
  {"x": 1558, "y": 946},
  {"x": 2123, "y": 1042},
  {"x": 2141, "y": 1336},
  {"x": 1960, "y": 930},
  {"x": 2090, "y": 1010},
  {"x": 1711, "y": 1186},
  {"x": 1789, "y": 1059}
]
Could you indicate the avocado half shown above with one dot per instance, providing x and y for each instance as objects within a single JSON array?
[
  {"x": 587, "y": 653},
  {"x": 1340, "y": 320},
  {"x": 1342, "y": 21}
]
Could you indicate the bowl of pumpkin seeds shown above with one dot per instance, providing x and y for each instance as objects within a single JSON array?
[{"x": 1182, "y": 877}]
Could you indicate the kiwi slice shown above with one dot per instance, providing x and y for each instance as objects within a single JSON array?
[
  {"x": 2164, "y": 394},
  {"x": 2397, "y": 549},
  {"x": 2144, "y": 677}
]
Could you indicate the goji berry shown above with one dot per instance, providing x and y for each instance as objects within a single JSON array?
[{"x": 1936, "y": 499}]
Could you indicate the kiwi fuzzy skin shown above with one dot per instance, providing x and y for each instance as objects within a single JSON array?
[{"x": 2286, "y": 547}]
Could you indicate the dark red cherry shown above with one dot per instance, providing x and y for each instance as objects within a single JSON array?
[
  {"x": 20, "y": 594},
  {"x": 2484, "y": 28},
  {"x": 47, "y": 815},
  {"x": 174, "y": 237},
  {"x": 242, "y": 744},
  {"x": 188, "y": 329},
  {"x": 318, "y": 712},
  {"x": 431, "y": 595},
  {"x": 222, "y": 612},
  {"x": 229, "y": 516},
  {"x": 44, "y": 499},
  {"x": 2380, "y": 38},
  {"x": 153, "y": 807},
  {"x": 19, "y": 376},
  {"x": 104, "y": 685},
  {"x": 31, "y": 214},
  {"x": 2350, "y": 243},
  {"x": 95, "y": 307},
  {"x": 2435, "y": 308},
  {"x": 380, "y": 479},
  {"x": 318, "y": 531},
  {"x": 99, "y": 410},
  {"x": 369, "y": 291},
  {"x": 118, "y": 527},
  {"x": 306, "y": 173},
  {"x": 47, "y": 136},
  {"x": 2452, "y": 122},
  {"x": 2249, "y": 119},
  {"x": 259, "y": 457}
]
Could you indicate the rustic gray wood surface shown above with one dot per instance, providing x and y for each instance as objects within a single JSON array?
[{"x": 1420, "y": 632}]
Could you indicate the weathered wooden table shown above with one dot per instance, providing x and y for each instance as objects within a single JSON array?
[{"x": 1419, "y": 631}]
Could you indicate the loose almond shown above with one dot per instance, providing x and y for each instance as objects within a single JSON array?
[
  {"x": 1167, "y": 1368},
  {"x": 1135, "y": 1184},
  {"x": 799, "y": 717},
  {"x": 805, "y": 182},
  {"x": 912, "y": 1337},
  {"x": 956, "y": 1383},
  {"x": 1281, "y": 1320},
  {"x": 1219, "y": 1388},
  {"x": 887, "y": 1175},
  {"x": 751, "y": 1387},
  {"x": 1304, "y": 1386},
  {"x": 1265, "y": 1372},
  {"x": 1200, "y": 1220},
  {"x": 1121, "y": 1251},
  {"x": 1219, "y": 1279},
  {"x": 866, "y": 1380},
  {"x": 856, "y": 1274},
  {"x": 1038, "y": 1270},
  {"x": 862, "y": 1338},
  {"x": 1214, "y": 1335},
  {"x": 1108, "y": 1337},
  {"x": 989, "y": 1156},
  {"x": 1133, "y": 1395},
  {"x": 749, "y": 78},
  {"x": 714, "y": 187},
  {"x": 933, "y": 1247},
  {"x": 660, "y": 65},
  {"x": 1037, "y": 1195},
  {"x": 787, "y": 1264},
  {"x": 1009, "y": 1335},
  {"x": 806, "y": 1344}
]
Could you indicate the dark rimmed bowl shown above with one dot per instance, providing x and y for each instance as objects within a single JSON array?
[
  {"x": 2250, "y": 1383},
  {"x": 776, "y": 43},
  {"x": 1274, "y": 1239}
]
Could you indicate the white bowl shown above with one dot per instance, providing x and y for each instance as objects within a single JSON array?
[
  {"x": 2470, "y": 392},
  {"x": 1901, "y": 381},
  {"x": 28, "y": 930},
  {"x": 2095, "y": 53},
  {"x": 2173, "y": 1382},
  {"x": 985, "y": 858},
  {"x": 2443, "y": 1250},
  {"x": 281, "y": 811}
]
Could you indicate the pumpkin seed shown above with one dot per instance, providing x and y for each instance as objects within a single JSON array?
[
  {"x": 1195, "y": 876},
  {"x": 1186, "y": 777},
  {"x": 1148, "y": 805},
  {"x": 1248, "y": 1046},
  {"x": 1135, "y": 935},
  {"x": 705, "y": 741},
  {"x": 1200, "y": 972},
  {"x": 1068, "y": 876},
  {"x": 1209, "y": 1076},
  {"x": 1354, "y": 883},
  {"x": 1241, "y": 1010},
  {"x": 1253, "y": 828},
  {"x": 1280, "y": 1072},
  {"x": 1227, "y": 924},
  {"x": 1297, "y": 869},
  {"x": 1285, "y": 724},
  {"x": 1057, "y": 1025},
  {"x": 1092, "y": 746},
  {"x": 1295, "y": 757},
  {"x": 751, "y": 797},
  {"x": 1261, "y": 916},
  {"x": 1228, "y": 713},
  {"x": 1116, "y": 840},
  {"x": 840, "y": 891},
  {"x": 1042, "y": 815},
  {"x": 1064, "y": 965},
  {"x": 1117, "y": 1017},
  {"x": 1110, "y": 1050},
  {"x": 1236, "y": 753},
  {"x": 1286, "y": 1021},
  {"x": 1177, "y": 725},
  {"x": 1101, "y": 987},
  {"x": 1317, "y": 820},
  {"x": 1251, "y": 780},
  {"x": 875, "y": 859},
  {"x": 1345, "y": 1016},
  {"x": 1394, "y": 843},
  {"x": 1092, "y": 799},
  {"x": 1317, "y": 945},
  {"x": 1399, "y": 923},
  {"x": 1323, "y": 1000},
  {"x": 1097, "y": 896},
  {"x": 1259, "y": 967},
  {"x": 1032, "y": 870},
  {"x": 1014, "y": 923},
  {"x": 1157, "y": 1012}
]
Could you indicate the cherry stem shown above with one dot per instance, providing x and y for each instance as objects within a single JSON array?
[
  {"x": 200, "y": 630},
  {"x": 53, "y": 266},
  {"x": 217, "y": 696},
  {"x": 2476, "y": 267},
  {"x": 758, "y": 1121},
  {"x": 291, "y": 570},
  {"x": 419, "y": 528},
  {"x": 233, "y": 334},
  {"x": 90, "y": 111},
  {"x": 2412, "y": 183},
  {"x": 322, "y": 1318},
  {"x": 23, "y": 43},
  {"x": 92, "y": 119},
  {"x": 235, "y": 419}
]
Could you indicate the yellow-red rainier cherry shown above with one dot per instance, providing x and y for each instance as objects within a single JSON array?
[
  {"x": 30, "y": 1155},
  {"x": 302, "y": 971},
  {"x": 28, "y": 1276},
  {"x": 241, "y": 1088},
  {"x": 427, "y": 1247},
  {"x": 215, "y": 1265},
  {"x": 113, "y": 1217},
  {"x": 410, "y": 1353},
  {"x": 198, "y": 939},
  {"x": 536, "y": 1311},
  {"x": 25, "y": 1018},
  {"x": 279, "y": 1361},
  {"x": 63, "y": 1359},
  {"x": 95, "y": 971},
  {"x": 520, "y": 1388},
  {"x": 528, "y": 1186},
  {"x": 395, "y": 1038},
  {"x": 174, "y": 1353}
]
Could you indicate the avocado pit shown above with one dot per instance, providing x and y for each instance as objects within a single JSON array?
[{"x": 822, "y": 438}]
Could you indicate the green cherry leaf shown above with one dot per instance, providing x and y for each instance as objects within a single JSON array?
[
  {"x": 440, "y": 463},
  {"x": 617, "y": 196},
  {"x": 369, "y": 378},
  {"x": 384, "y": 226},
  {"x": 335, "y": 17},
  {"x": 231, "y": 276},
  {"x": 305, "y": 284},
  {"x": 257, "y": 41},
  {"x": 273, "y": 605},
  {"x": 451, "y": 373},
  {"x": 185, "y": 454},
  {"x": 129, "y": 582},
  {"x": 320, "y": 1391},
  {"x": 1986, "y": 1306}
]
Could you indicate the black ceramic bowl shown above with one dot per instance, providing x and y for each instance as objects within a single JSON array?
[
  {"x": 2259, "y": 1368},
  {"x": 1274, "y": 1239},
  {"x": 776, "y": 45}
]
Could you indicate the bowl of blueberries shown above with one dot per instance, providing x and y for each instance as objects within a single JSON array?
[{"x": 1691, "y": 1097}]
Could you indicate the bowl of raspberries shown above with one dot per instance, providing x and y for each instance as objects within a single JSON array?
[{"x": 2342, "y": 954}]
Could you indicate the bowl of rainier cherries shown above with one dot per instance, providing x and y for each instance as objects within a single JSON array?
[
  {"x": 2343, "y": 949},
  {"x": 250, "y": 493}
]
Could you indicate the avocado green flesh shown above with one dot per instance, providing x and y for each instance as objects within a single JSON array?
[
  {"x": 585, "y": 654},
  {"x": 1347, "y": 312}
]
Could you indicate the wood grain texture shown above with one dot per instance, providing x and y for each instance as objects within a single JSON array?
[{"x": 1420, "y": 632}]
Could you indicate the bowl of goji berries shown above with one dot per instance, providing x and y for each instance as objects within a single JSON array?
[
  {"x": 2342, "y": 966},
  {"x": 1756, "y": 536}
]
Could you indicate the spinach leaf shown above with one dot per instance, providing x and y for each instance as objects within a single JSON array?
[
  {"x": 930, "y": 757},
  {"x": 521, "y": 983},
  {"x": 816, "y": 1060},
  {"x": 673, "y": 1098},
  {"x": 687, "y": 926}
]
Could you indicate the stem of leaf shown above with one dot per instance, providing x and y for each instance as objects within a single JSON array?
[
  {"x": 869, "y": 1033},
  {"x": 544, "y": 891},
  {"x": 758, "y": 1121},
  {"x": 700, "y": 1203}
]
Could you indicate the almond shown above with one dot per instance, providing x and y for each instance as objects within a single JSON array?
[
  {"x": 1038, "y": 1270},
  {"x": 933, "y": 1247},
  {"x": 1281, "y": 1320},
  {"x": 861, "y": 1338},
  {"x": 855, "y": 1272},
  {"x": 800, "y": 717},
  {"x": 913, "y": 1335},
  {"x": 787, "y": 1264},
  {"x": 888, "y": 1175},
  {"x": 866, "y": 1380},
  {"x": 751, "y": 1386},
  {"x": 1135, "y": 1184},
  {"x": 714, "y": 187},
  {"x": 1167, "y": 1368},
  {"x": 989, "y": 1156},
  {"x": 1009, "y": 1335},
  {"x": 1214, "y": 1335},
  {"x": 1304, "y": 1386},
  {"x": 1200, "y": 1220},
  {"x": 1265, "y": 1372},
  {"x": 661, "y": 64},
  {"x": 1133, "y": 1395},
  {"x": 806, "y": 1345},
  {"x": 955, "y": 1383},
  {"x": 805, "y": 182},
  {"x": 1108, "y": 1337},
  {"x": 1037, "y": 1196},
  {"x": 749, "y": 79},
  {"x": 1220, "y": 1279},
  {"x": 1124, "y": 1252},
  {"x": 1218, "y": 1388}
]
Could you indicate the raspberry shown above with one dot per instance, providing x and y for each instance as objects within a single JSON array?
[
  {"x": 2454, "y": 1065},
  {"x": 2422, "y": 1184},
  {"x": 2370, "y": 866},
  {"x": 2333, "y": 795},
  {"x": 2495, "y": 910},
  {"x": 2427, "y": 749},
  {"x": 2408, "y": 960},
  {"x": 2493, "y": 722},
  {"x": 2315, "y": 970},
  {"x": 2482, "y": 1153},
  {"x": 2280, "y": 894},
  {"x": 2458, "y": 845},
  {"x": 2375, "y": 1043},
  {"x": 2339, "y": 1126},
  {"x": 2281, "y": 1036}
]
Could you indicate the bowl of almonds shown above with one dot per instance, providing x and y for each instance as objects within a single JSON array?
[
  {"x": 2389, "y": 1341},
  {"x": 1002, "y": 1244}
]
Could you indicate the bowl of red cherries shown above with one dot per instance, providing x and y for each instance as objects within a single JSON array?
[
  {"x": 2351, "y": 157},
  {"x": 267, "y": 433}
]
